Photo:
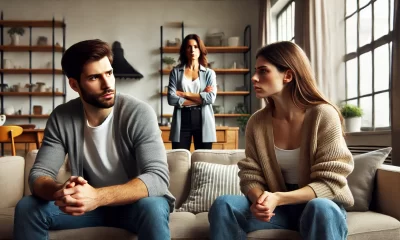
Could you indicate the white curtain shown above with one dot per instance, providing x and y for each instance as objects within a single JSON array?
[
  {"x": 264, "y": 27},
  {"x": 319, "y": 32},
  {"x": 395, "y": 94}
]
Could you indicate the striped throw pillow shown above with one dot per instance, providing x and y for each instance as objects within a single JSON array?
[{"x": 210, "y": 180}]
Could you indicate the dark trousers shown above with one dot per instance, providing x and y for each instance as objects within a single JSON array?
[{"x": 191, "y": 125}]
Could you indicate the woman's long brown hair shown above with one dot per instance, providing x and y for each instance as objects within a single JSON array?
[
  {"x": 203, "y": 51},
  {"x": 304, "y": 91}
]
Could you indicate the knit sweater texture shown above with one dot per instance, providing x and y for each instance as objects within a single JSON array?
[{"x": 324, "y": 162}]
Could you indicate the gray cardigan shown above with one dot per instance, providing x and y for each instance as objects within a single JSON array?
[
  {"x": 207, "y": 78},
  {"x": 137, "y": 136}
]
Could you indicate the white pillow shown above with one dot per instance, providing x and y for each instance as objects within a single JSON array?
[
  {"x": 361, "y": 180},
  {"x": 209, "y": 181}
]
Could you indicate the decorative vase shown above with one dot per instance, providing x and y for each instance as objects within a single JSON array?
[
  {"x": 9, "y": 110},
  {"x": 233, "y": 41},
  {"x": 14, "y": 39},
  {"x": 353, "y": 124}
]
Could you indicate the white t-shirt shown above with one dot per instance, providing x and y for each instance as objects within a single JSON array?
[
  {"x": 288, "y": 160},
  {"x": 101, "y": 160}
]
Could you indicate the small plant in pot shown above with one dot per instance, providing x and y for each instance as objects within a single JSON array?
[
  {"x": 242, "y": 120},
  {"x": 14, "y": 33},
  {"x": 352, "y": 117},
  {"x": 170, "y": 61}
]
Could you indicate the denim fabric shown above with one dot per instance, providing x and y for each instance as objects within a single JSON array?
[
  {"x": 191, "y": 126},
  {"x": 34, "y": 217},
  {"x": 230, "y": 218}
]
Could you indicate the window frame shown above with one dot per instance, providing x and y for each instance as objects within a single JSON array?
[
  {"x": 291, "y": 4},
  {"x": 370, "y": 47}
]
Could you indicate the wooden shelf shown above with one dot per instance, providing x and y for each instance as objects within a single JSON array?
[
  {"x": 217, "y": 71},
  {"x": 222, "y": 49},
  {"x": 218, "y": 115},
  {"x": 28, "y": 116},
  {"x": 226, "y": 49},
  {"x": 9, "y": 48},
  {"x": 33, "y": 71},
  {"x": 34, "y": 23},
  {"x": 50, "y": 94},
  {"x": 232, "y": 93}
]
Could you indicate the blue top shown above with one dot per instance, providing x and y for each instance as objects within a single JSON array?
[{"x": 207, "y": 77}]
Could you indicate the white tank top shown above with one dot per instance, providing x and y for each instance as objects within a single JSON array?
[
  {"x": 288, "y": 160},
  {"x": 190, "y": 86}
]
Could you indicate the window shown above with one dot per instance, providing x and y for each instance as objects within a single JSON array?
[
  {"x": 369, "y": 31},
  {"x": 285, "y": 23}
]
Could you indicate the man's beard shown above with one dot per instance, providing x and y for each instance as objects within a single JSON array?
[{"x": 94, "y": 99}]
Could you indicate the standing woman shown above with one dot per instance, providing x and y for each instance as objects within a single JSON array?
[
  {"x": 192, "y": 90},
  {"x": 295, "y": 172}
]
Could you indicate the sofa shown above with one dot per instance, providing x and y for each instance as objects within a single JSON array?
[{"x": 380, "y": 222}]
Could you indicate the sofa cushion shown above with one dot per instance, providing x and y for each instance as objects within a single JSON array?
[
  {"x": 208, "y": 181},
  {"x": 227, "y": 157},
  {"x": 6, "y": 222},
  {"x": 361, "y": 180},
  {"x": 371, "y": 225},
  {"x": 186, "y": 225},
  {"x": 274, "y": 234},
  {"x": 98, "y": 233},
  {"x": 11, "y": 180},
  {"x": 179, "y": 174},
  {"x": 361, "y": 225}
]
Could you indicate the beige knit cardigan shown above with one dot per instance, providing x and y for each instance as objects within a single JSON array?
[{"x": 324, "y": 163}]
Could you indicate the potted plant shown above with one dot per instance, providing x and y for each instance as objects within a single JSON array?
[
  {"x": 14, "y": 33},
  {"x": 169, "y": 61},
  {"x": 352, "y": 117},
  {"x": 242, "y": 120}
]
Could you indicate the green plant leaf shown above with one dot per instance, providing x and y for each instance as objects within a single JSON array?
[
  {"x": 16, "y": 30},
  {"x": 349, "y": 111}
]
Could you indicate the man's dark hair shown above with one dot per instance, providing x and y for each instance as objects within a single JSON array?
[{"x": 81, "y": 53}]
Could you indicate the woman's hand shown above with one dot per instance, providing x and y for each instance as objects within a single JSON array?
[
  {"x": 180, "y": 94},
  {"x": 263, "y": 209},
  {"x": 208, "y": 89}
]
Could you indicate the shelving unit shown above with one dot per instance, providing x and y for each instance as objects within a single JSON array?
[
  {"x": 217, "y": 115},
  {"x": 245, "y": 50},
  {"x": 48, "y": 94},
  {"x": 53, "y": 49},
  {"x": 28, "y": 116}
]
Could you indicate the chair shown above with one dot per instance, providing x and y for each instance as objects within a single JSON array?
[{"x": 8, "y": 133}]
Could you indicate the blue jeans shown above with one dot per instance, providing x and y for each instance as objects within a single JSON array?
[
  {"x": 148, "y": 218},
  {"x": 230, "y": 218}
]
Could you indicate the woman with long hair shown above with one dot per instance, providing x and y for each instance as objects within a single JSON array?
[
  {"x": 192, "y": 90},
  {"x": 295, "y": 172}
]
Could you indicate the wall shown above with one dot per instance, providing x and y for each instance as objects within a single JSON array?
[{"x": 136, "y": 24}]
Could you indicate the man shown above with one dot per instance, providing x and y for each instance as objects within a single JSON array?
[{"x": 118, "y": 162}]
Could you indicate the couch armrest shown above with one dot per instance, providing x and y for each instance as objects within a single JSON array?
[
  {"x": 387, "y": 194},
  {"x": 11, "y": 180}
]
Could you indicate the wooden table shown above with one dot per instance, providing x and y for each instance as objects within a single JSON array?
[
  {"x": 227, "y": 138},
  {"x": 30, "y": 139},
  {"x": 30, "y": 136}
]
